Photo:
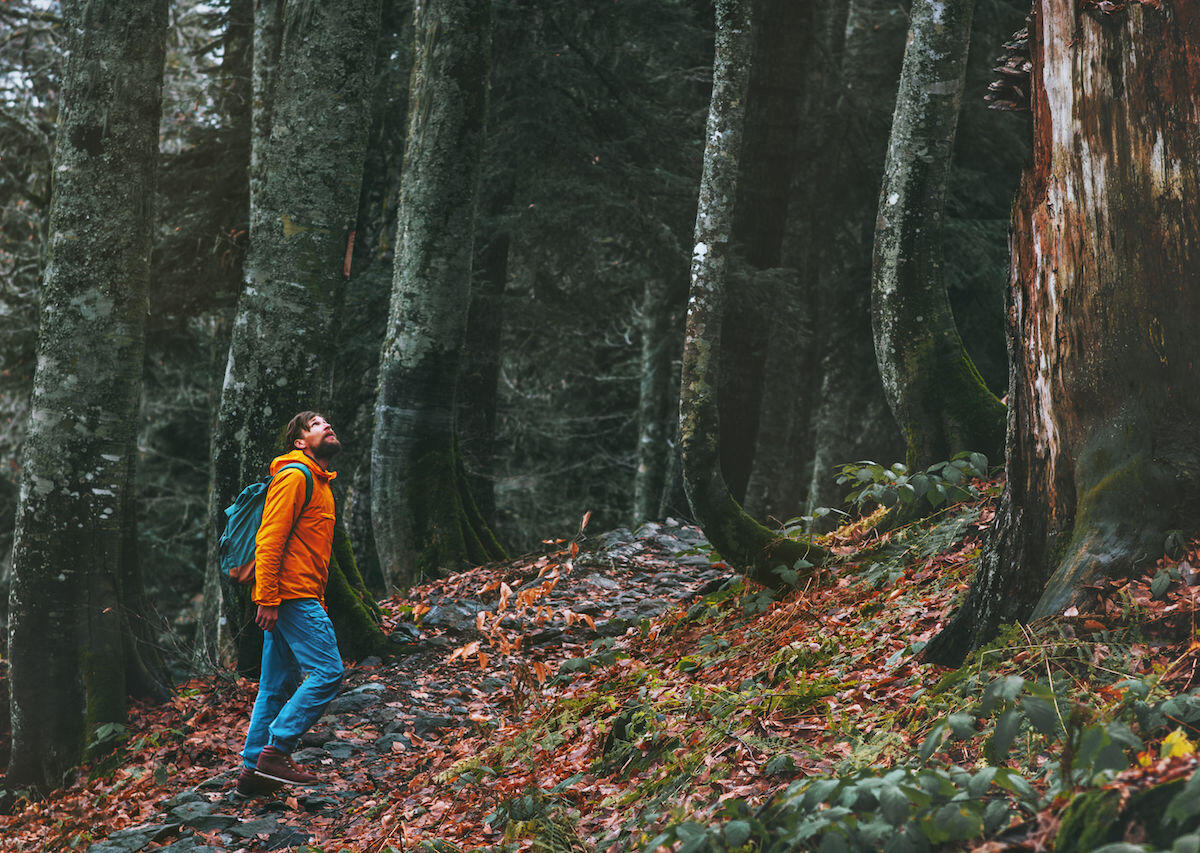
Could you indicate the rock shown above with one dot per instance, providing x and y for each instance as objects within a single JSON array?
[
  {"x": 491, "y": 684},
  {"x": 693, "y": 560},
  {"x": 617, "y": 536},
  {"x": 601, "y": 581},
  {"x": 613, "y": 627},
  {"x": 424, "y": 723},
  {"x": 371, "y": 687},
  {"x": 652, "y": 606},
  {"x": 209, "y": 822},
  {"x": 183, "y": 797},
  {"x": 352, "y": 703},
  {"x": 455, "y": 616},
  {"x": 287, "y": 836},
  {"x": 251, "y": 828},
  {"x": 314, "y": 738},
  {"x": 137, "y": 837},
  {"x": 340, "y": 749},
  {"x": 384, "y": 744},
  {"x": 105, "y": 847},
  {"x": 189, "y": 845},
  {"x": 311, "y": 754},
  {"x": 647, "y": 530},
  {"x": 317, "y": 804},
  {"x": 541, "y": 638},
  {"x": 190, "y": 811},
  {"x": 370, "y": 662}
]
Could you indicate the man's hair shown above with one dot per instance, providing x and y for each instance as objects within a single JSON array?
[{"x": 296, "y": 426}]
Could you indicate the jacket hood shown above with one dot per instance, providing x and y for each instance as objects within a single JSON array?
[{"x": 298, "y": 456}]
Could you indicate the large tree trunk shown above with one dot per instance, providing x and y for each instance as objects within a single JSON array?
[
  {"x": 1104, "y": 410},
  {"x": 236, "y": 107},
  {"x": 478, "y": 397},
  {"x": 422, "y": 511},
  {"x": 936, "y": 394},
  {"x": 313, "y": 92},
  {"x": 739, "y": 538},
  {"x": 67, "y": 619},
  {"x": 852, "y": 420},
  {"x": 772, "y": 121}
]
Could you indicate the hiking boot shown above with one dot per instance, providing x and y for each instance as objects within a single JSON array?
[
  {"x": 276, "y": 764},
  {"x": 250, "y": 784}
]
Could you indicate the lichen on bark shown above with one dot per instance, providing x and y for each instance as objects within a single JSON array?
[{"x": 67, "y": 628}]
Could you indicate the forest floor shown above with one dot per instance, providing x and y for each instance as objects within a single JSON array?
[{"x": 626, "y": 692}]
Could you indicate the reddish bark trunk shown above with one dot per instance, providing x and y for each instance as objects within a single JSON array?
[{"x": 1103, "y": 438}]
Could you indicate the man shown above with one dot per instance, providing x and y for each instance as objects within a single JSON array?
[{"x": 301, "y": 665}]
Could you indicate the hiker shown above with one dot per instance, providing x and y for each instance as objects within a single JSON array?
[{"x": 301, "y": 665}]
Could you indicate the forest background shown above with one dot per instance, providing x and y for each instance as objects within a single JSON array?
[{"x": 580, "y": 184}]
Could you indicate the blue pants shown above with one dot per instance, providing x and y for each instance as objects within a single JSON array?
[{"x": 301, "y": 671}]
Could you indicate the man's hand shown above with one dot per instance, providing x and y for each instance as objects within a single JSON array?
[{"x": 267, "y": 617}]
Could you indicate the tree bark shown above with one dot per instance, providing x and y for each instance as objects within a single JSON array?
[
  {"x": 772, "y": 122},
  {"x": 67, "y": 628},
  {"x": 422, "y": 511},
  {"x": 852, "y": 419},
  {"x": 313, "y": 92},
  {"x": 658, "y": 328},
  {"x": 936, "y": 394},
  {"x": 1104, "y": 409},
  {"x": 739, "y": 538},
  {"x": 478, "y": 389}
]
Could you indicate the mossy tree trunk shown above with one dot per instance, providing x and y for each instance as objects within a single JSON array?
[
  {"x": 422, "y": 510},
  {"x": 313, "y": 97},
  {"x": 937, "y": 396},
  {"x": 68, "y": 598},
  {"x": 1104, "y": 403},
  {"x": 852, "y": 419},
  {"x": 739, "y": 538}
]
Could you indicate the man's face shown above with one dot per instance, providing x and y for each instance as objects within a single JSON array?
[{"x": 319, "y": 439}]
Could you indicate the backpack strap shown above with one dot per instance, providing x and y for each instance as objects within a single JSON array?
[{"x": 308, "y": 481}]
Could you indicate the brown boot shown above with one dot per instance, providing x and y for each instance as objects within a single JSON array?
[
  {"x": 250, "y": 784},
  {"x": 276, "y": 764}
]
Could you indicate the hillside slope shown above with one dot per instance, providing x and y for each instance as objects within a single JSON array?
[{"x": 626, "y": 692}]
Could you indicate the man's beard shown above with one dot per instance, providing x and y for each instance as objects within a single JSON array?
[{"x": 327, "y": 450}]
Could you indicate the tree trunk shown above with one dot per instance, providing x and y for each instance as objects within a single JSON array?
[
  {"x": 478, "y": 389},
  {"x": 772, "y": 121},
  {"x": 66, "y": 628},
  {"x": 1104, "y": 409},
  {"x": 236, "y": 106},
  {"x": 936, "y": 394},
  {"x": 314, "y": 94},
  {"x": 422, "y": 511},
  {"x": 778, "y": 479},
  {"x": 852, "y": 420},
  {"x": 657, "y": 325},
  {"x": 740, "y": 540}
]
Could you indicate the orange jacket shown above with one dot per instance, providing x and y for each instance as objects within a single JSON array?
[{"x": 294, "y": 563}]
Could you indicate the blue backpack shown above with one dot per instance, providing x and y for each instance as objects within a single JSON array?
[{"x": 242, "y": 520}]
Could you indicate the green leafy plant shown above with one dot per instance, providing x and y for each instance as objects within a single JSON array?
[{"x": 940, "y": 484}]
